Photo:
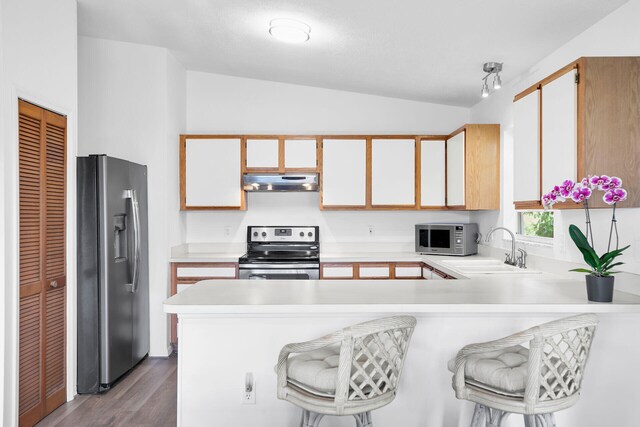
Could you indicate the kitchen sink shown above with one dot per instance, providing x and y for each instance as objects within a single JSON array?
[{"x": 485, "y": 266}]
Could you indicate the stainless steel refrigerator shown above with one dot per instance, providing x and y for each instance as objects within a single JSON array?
[{"x": 113, "y": 270}]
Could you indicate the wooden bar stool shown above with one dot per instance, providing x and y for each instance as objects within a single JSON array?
[
  {"x": 504, "y": 377},
  {"x": 349, "y": 372}
]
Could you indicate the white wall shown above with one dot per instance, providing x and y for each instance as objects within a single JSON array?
[
  {"x": 223, "y": 104},
  {"x": 615, "y": 35},
  {"x": 131, "y": 99},
  {"x": 39, "y": 64}
]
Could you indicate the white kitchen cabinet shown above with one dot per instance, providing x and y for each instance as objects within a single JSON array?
[
  {"x": 559, "y": 131},
  {"x": 456, "y": 170},
  {"x": 227, "y": 271},
  {"x": 393, "y": 172},
  {"x": 262, "y": 154},
  {"x": 344, "y": 173},
  {"x": 337, "y": 271},
  {"x": 407, "y": 271},
  {"x": 432, "y": 173},
  {"x": 211, "y": 173},
  {"x": 526, "y": 186},
  {"x": 374, "y": 271},
  {"x": 300, "y": 154}
]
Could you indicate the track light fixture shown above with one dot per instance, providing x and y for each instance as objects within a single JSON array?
[{"x": 491, "y": 68}]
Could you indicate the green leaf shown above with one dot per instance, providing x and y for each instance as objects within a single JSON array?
[
  {"x": 589, "y": 255},
  {"x": 612, "y": 265},
  {"x": 581, "y": 270},
  {"x": 611, "y": 255}
]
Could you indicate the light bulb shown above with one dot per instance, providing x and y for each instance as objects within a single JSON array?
[
  {"x": 497, "y": 82},
  {"x": 485, "y": 90}
]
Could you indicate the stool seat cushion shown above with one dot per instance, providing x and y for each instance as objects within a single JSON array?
[
  {"x": 502, "y": 371},
  {"x": 316, "y": 371}
]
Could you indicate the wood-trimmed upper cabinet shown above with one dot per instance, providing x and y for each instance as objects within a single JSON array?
[
  {"x": 473, "y": 167},
  {"x": 263, "y": 154},
  {"x": 300, "y": 154},
  {"x": 559, "y": 130},
  {"x": 526, "y": 147},
  {"x": 210, "y": 172},
  {"x": 455, "y": 170},
  {"x": 432, "y": 174},
  {"x": 393, "y": 178},
  {"x": 344, "y": 173},
  {"x": 280, "y": 154},
  {"x": 589, "y": 120}
]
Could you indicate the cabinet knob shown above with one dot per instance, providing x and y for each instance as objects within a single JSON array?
[{"x": 54, "y": 284}]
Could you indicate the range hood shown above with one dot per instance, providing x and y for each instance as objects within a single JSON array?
[{"x": 274, "y": 182}]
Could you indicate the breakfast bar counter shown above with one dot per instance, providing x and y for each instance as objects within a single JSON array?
[{"x": 230, "y": 328}]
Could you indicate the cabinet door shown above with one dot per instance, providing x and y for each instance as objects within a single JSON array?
[
  {"x": 559, "y": 131},
  {"x": 393, "y": 178},
  {"x": 344, "y": 173},
  {"x": 455, "y": 170},
  {"x": 300, "y": 154},
  {"x": 262, "y": 154},
  {"x": 526, "y": 185},
  {"x": 212, "y": 173},
  {"x": 432, "y": 173}
]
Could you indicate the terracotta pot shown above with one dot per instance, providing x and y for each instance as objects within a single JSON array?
[{"x": 599, "y": 288}]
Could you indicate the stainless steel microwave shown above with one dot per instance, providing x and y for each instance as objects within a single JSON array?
[{"x": 447, "y": 239}]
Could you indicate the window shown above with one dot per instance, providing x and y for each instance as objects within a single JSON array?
[{"x": 535, "y": 224}]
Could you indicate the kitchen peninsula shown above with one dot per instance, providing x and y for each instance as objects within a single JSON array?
[{"x": 230, "y": 328}]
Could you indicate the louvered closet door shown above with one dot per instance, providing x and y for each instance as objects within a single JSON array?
[{"x": 42, "y": 150}]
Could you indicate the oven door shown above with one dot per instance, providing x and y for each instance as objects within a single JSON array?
[{"x": 279, "y": 274}]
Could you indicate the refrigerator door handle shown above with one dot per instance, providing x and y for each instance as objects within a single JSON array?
[{"x": 135, "y": 212}]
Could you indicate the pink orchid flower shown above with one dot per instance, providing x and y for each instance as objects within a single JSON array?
[
  {"x": 585, "y": 182},
  {"x": 581, "y": 194},
  {"x": 599, "y": 182},
  {"x": 614, "y": 196},
  {"x": 566, "y": 188},
  {"x": 615, "y": 182}
]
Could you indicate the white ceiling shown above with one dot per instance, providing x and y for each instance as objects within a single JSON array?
[{"x": 425, "y": 50}]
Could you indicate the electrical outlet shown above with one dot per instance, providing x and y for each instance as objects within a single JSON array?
[
  {"x": 249, "y": 390},
  {"x": 371, "y": 230},
  {"x": 227, "y": 231}
]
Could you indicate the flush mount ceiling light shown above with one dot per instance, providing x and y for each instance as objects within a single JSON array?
[
  {"x": 491, "y": 68},
  {"x": 289, "y": 30}
]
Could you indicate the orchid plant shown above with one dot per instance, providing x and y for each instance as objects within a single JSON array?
[{"x": 581, "y": 192}]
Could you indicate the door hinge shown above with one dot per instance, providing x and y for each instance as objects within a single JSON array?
[{"x": 577, "y": 77}]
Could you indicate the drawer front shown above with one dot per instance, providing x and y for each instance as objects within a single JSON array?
[
  {"x": 408, "y": 271},
  {"x": 374, "y": 271},
  {"x": 229, "y": 272},
  {"x": 337, "y": 271}
]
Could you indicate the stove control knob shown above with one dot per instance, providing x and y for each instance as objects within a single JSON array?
[
  {"x": 264, "y": 234},
  {"x": 255, "y": 234},
  {"x": 302, "y": 234},
  {"x": 310, "y": 234}
]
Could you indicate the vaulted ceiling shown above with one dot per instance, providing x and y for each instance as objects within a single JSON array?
[{"x": 425, "y": 50}]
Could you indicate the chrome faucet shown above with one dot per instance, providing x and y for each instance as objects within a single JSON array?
[
  {"x": 510, "y": 258},
  {"x": 521, "y": 260}
]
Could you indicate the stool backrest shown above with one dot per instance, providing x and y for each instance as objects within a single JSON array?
[
  {"x": 372, "y": 356},
  {"x": 560, "y": 350}
]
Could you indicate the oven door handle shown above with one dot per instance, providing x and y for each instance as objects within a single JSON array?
[{"x": 277, "y": 266}]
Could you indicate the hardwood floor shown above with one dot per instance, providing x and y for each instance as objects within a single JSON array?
[{"x": 145, "y": 397}]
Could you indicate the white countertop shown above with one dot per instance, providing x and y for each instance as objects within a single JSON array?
[{"x": 540, "y": 293}]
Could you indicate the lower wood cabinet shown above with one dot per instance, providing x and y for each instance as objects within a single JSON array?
[
  {"x": 380, "y": 270},
  {"x": 185, "y": 274}
]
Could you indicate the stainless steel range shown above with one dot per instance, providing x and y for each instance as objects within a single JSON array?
[{"x": 281, "y": 253}]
